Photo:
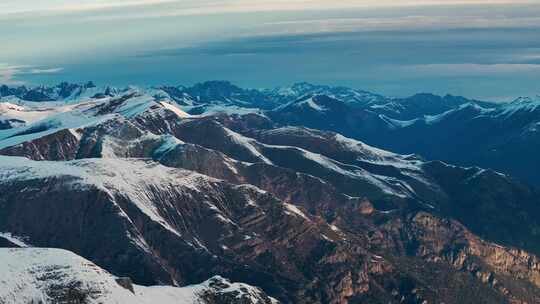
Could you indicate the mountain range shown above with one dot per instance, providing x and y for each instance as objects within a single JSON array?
[
  {"x": 174, "y": 193},
  {"x": 467, "y": 132}
]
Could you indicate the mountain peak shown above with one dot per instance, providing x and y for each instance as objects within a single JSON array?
[
  {"x": 527, "y": 99},
  {"x": 223, "y": 85}
]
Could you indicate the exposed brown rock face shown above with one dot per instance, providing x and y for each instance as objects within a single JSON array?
[
  {"x": 306, "y": 215},
  {"x": 61, "y": 145},
  {"x": 237, "y": 231},
  {"x": 446, "y": 240}
]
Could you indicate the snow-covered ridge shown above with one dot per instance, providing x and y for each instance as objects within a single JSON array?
[
  {"x": 496, "y": 111},
  {"x": 390, "y": 186},
  {"x": 312, "y": 103},
  {"x": 39, "y": 275},
  {"x": 213, "y": 94},
  {"x": 134, "y": 103},
  {"x": 354, "y": 159},
  {"x": 24, "y": 272},
  {"x": 103, "y": 172},
  {"x": 348, "y": 95},
  {"x": 219, "y": 96},
  {"x": 434, "y": 119},
  {"x": 174, "y": 109},
  {"x": 127, "y": 177},
  {"x": 521, "y": 104},
  {"x": 30, "y": 112},
  {"x": 248, "y": 144},
  {"x": 364, "y": 151},
  {"x": 38, "y": 119},
  {"x": 14, "y": 239}
]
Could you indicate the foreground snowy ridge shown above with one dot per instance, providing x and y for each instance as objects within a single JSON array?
[{"x": 38, "y": 275}]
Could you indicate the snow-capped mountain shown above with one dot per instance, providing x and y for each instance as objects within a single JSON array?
[
  {"x": 146, "y": 185},
  {"x": 38, "y": 275},
  {"x": 500, "y": 136},
  {"x": 61, "y": 92},
  {"x": 350, "y": 96}
]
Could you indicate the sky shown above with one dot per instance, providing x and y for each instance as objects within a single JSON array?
[{"x": 485, "y": 49}]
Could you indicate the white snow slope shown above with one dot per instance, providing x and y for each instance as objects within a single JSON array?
[{"x": 31, "y": 275}]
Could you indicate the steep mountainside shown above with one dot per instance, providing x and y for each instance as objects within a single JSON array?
[
  {"x": 499, "y": 136},
  {"x": 144, "y": 190}
]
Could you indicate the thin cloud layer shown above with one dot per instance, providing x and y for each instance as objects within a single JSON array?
[
  {"x": 9, "y": 74},
  {"x": 230, "y": 6},
  {"x": 477, "y": 48},
  {"x": 405, "y": 23},
  {"x": 63, "y": 6}
]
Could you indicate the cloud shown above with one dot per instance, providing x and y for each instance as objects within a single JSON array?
[
  {"x": 405, "y": 23},
  {"x": 524, "y": 58},
  {"x": 9, "y": 74},
  {"x": 482, "y": 46},
  {"x": 373, "y": 44},
  {"x": 63, "y": 6},
  {"x": 162, "y": 8},
  {"x": 468, "y": 69},
  {"x": 45, "y": 71}
]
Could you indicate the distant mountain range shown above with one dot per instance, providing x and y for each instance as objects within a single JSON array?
[
  {"x": 198, "y": 187},
  {"x": 501, "y": 136}
]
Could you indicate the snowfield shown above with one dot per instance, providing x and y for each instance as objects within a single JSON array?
[{"x": 38, "y": 275}]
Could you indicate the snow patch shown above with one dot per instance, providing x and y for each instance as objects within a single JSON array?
[
  {"x": 292, "y": 209},
  {"x": 312, "y": 104},
  {"x": 22, "y": 271},
  {"x": 248, "y": 143},
  {"x": 174, "y": 109},
  {"x": 17, "y": 240}
]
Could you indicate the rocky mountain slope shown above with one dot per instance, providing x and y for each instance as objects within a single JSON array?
[
  {"x": 453, "y": 129},
  {"x": 134, "y": 183}
]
